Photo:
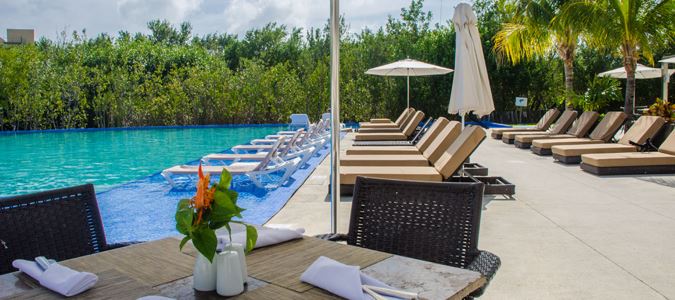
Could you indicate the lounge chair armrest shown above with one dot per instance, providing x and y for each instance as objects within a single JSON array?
[
  {"x": 333, "y": 237},
  {"x": 487, "y": 264}
]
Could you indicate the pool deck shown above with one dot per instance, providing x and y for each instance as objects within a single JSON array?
[{"x": 568, "y": 234}]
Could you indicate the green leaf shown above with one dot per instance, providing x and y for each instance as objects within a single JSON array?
[
  {"x": 225, "y": 180},
  {"x": 205, "y": 241},
  {"x": 184, "y": 241},
  {"x": 251, "y": 237},
  {"x": 184, "y": 217}
]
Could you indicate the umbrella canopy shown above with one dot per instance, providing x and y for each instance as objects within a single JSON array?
[
  {"x": 641, "y": 72},
  {"x": 668, "y": 60},
  {"x": 408, "y": 67},
  {"x": 470, "y": 85}
]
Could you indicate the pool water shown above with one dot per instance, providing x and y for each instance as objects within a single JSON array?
[
  {"x": 135, "y": 201},
  {"x": 48, "y": 160}
]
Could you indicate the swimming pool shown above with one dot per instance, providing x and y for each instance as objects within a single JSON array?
[
  {"x": 136, "y": 203},
  {"x": 47, "y": 160}
]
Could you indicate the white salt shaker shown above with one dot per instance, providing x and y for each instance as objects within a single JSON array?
[
  {"x": 229, "y": 280},
  {"x": 239, "y": 248},
  {"x": 204, "y": 274}
]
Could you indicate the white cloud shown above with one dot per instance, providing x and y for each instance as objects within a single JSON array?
[{"x": 207, "y": 16}]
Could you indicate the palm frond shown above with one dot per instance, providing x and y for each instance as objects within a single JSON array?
[{"x": 516, "y": 42}]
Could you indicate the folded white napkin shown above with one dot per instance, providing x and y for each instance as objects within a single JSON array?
[
  {"x": 343, "y": 280},
  {"x": 58, "y": 278},
  {"x": 266, "y": 236}
]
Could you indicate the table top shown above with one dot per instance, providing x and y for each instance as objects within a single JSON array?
[{"x": 159, "y": 268}]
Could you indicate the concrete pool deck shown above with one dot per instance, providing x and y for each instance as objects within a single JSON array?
[{"x": 568, "y": 234}]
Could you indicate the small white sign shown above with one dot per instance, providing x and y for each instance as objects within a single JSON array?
[{"x": 521, "y": 101}]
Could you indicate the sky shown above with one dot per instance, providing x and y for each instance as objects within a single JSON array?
[{"x": 49, "y": 17}]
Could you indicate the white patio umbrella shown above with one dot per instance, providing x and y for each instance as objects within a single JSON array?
[
  {"x": 470, "y": 85},
  {"x": 665, "y": 75},
  {"x": 408, "y": 67},
  {"x": 641, "y": 72}
]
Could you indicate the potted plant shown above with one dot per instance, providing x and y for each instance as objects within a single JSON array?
[
  {"x": 198, "y": 219},
  {"x": 666, "y": 110}
]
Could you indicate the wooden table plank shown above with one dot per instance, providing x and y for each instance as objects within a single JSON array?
[
  {"x": 152, "y": 263},
  {"x": 112, "y": 284}
]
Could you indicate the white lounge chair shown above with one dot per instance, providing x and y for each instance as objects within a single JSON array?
[{"x": 255, "y": 171}]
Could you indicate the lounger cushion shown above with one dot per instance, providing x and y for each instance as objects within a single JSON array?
[
  {"x": 380, "y": 137},
  {"x": 668, "y": 146},
  {"x": 577, "y": 150},
  {"x": 452, "y": 159},
  {"x": 548, "y": 143},
  {"x": 432, "y": 133},
  {"x": 377, "y": 126},
  {"x": 528, "y": 138},
  {"x": 608, "y": 126},
  {"x": 411, "y": 125},
  {"x": 348, "y": 174},
  {"x": 380, "y": 120},
  {"x": 379, "y": 130},
  {"x": 630, "y": 159},
  {"x": 384, "y": 160},
  {"x": 522, "y": 129},
  {"x": 583, "y": 124},
  {"x": 512, "y": 134},
  {"x": 564, "y": 122},
  {"x": 439, "y": 145},
  {"x": 645, "y": 127},
  {"x": 384, "y": 150}
]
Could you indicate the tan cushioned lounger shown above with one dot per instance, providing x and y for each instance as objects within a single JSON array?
[
  {"x": 665, "y": 156},
  {"x": 381, "y": 120},
  {"x": 348, "y": 174},
  {"x": 601, "y": 134},
  {"x": 424, "y": 143},
  {"x": 543, "y": 124},
  {"x": 563, "y": 123},
  {"x": 548, "y": 143},
  {"x": 428, "y": 156},
  {"x": 531, "y": 137},
  {"x": 629, "y": 159},
  {"x": 577, "y": 150},
  {"x": 384, "y": 160},
  {"x": 578, "y": 129},
  {"x": 445, "y": 167},
  {"x": 400, "y": 126},
  {"x": 645, "y": 127},
  {"x": 396, "y": 124},
  {"x": 398, "y": 136}
]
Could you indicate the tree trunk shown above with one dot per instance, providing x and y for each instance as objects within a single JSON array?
[
  {"x": 569, "y": 81},
  {"x": 566, "y": 52},
  {"x": 629, "y": 64}
]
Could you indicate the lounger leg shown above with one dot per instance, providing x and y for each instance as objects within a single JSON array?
[{"x": 167, "y": 176}]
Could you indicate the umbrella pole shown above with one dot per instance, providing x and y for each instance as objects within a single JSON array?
[
  {"x": 407, "y": 80},
  {"x": 335, "y": 112},
  {"x": 462, "y": 121}
]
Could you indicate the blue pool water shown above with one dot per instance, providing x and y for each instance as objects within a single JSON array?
[{"x": 136, "y": 203}]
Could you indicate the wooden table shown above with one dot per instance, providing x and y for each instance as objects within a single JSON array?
[{"x": 159, "y": 268}]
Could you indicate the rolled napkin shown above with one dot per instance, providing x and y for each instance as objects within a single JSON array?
[
  {"x": 342, "y": 280},
  {"x": 58, "y": 278},
  {"x": 267, "y": 236}
]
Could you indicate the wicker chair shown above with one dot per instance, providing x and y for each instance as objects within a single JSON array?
[
  {"x": 432, "y": 221},
  {"x": 58, "y": 224}
]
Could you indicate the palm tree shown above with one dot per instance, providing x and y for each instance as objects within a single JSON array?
[
  {"x": 632, "y": 28},
  {"x": 532, "y": 31}
]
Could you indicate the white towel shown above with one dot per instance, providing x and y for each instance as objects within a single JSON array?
[
  {"x": 343, "y": 280},
  {"x": 58, "y": 278},
  {"x": 267, "y": 236}
]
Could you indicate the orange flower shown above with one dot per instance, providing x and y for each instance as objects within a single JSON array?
[{"x": 204, "y": 196}]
